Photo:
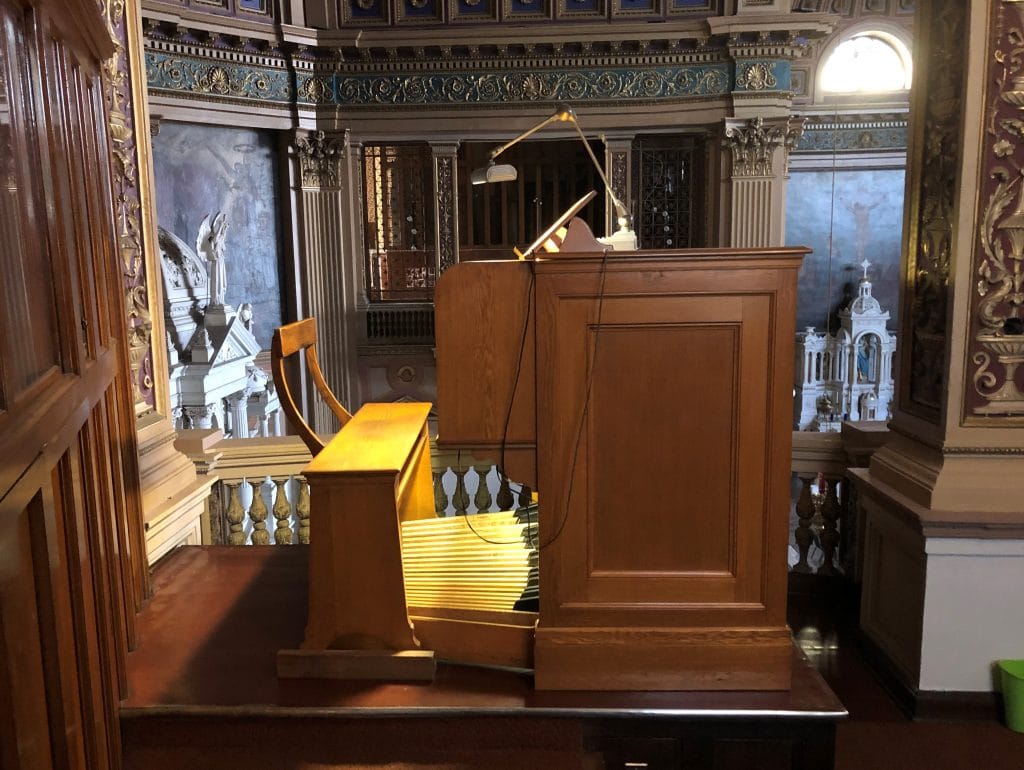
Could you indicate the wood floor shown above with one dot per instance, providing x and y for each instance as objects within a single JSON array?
[
  {"x": 878, "y": 735},
  {"x": 206, "y": 660}
]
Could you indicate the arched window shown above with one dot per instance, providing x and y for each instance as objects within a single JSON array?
[{"x": 868, "y": 62}]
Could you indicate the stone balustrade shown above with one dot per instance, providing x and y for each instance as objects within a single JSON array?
[{"x": 261, "y": 498}]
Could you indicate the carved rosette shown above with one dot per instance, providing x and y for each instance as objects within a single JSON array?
[
  {"x": 444, "y": 182},
  {"x": 996, "y": 347},
  {"x": 938, "y": 105},
  {"x": 127, "y": 202},
  {"x": 319, "y": 159},
  {"x": 754, "y": 143}
]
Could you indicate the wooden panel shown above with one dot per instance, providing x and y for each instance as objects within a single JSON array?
[
  {"x": 637, "y": 519},
  {"x": 28, "y": 332},
  {"x": 69, "y": 499},
  {"x": 485, "y": 364},
  {"x": 661, "y": 406}
]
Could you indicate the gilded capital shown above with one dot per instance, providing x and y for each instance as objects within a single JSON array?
[{"x": 753, "y": 145}]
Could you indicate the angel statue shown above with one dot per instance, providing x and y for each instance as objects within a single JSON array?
[{"x": 210, "y": 246}]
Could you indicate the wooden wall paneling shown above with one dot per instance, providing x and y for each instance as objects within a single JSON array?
[
  {"x": 60, "y": 670},
  {"x": 29, "y": 347},
  {"x": 24, "y": 738},
  {"x": 70, "y": 525},
  {"x": 107, "y": 542},
  {"x": 95, "y": 697},
  {"x": 55, "y": 156}
]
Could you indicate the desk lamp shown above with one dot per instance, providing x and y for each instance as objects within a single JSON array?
[{"x": 624, "y": 238}]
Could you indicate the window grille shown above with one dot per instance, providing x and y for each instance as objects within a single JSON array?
[
  {"x": 552, "y": 175},
  {"x": 400, "y": 246},
  {"x": 668, "y": 191}
]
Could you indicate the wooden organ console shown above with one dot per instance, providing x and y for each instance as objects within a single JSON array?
[{"x": 646, "y": 396}]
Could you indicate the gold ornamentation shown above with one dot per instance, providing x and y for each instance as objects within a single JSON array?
[
  {"x": 756, "y": 77},
  {"x": 754, "y": 144},
  {"x": 125, "y": 179}
]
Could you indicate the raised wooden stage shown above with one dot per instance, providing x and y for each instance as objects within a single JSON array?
[{"x": 205, "y": 694}]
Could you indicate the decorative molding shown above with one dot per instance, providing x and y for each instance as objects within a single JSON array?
[
  {"x": 886, "y": 132},
  {"x": 932, "y": 196},
  {"x": 674, "y": 68},
  {"x": 127, "y": 203},
  {"x": 216, "y": 79},
  {"x": 996, "y": 345},
  {"x": 763, "y": 75},
  {"x": 319, "y": 159},
  {"x": 753, "y": 145},
  {"x": 447, "y": 222},
  {"x": 523, "y": 85}
]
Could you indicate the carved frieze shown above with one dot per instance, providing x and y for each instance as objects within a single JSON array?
[
  {"x": 873, "y": 132},
  {"x": 933, "y": 191},
  {"x": 178, "y": 73},
  {"x": 996, "y": 348},
  {"x": 127, "y": 202},
  {"x": 524, "y": 85},
  {"x": 753, "y": 145},
  {"x": 444, "y": 184},
  {"x": 319, "y": 158}
]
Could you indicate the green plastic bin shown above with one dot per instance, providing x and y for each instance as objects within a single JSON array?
[{"x": 1012, "y": 675}]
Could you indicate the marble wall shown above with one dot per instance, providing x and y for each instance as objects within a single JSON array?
[
  {"x": 200, "y": 170},
  {"x": 859, "y": 212}
]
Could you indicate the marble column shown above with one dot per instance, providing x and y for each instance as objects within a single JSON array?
[
  {"x": 618, "y": 163},
  {"x": 331, "y": 260},
  {"x": 763, "y": 39},
  {"x": 941, "y": 501}
]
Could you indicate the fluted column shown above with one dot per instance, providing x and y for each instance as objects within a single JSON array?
[
  {"x": 758, "y": 153},
  {"x": 330, "y": 266},
  {"x": 941, "y": 501}
]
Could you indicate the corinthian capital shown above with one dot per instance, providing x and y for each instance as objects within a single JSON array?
[
  {"x": 753, "y": 144},
  {"x": 318, "y": 158}
]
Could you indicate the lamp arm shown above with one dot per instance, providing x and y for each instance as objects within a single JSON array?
[
  {"x": 529, "y": 132},
  {"x": 620, "y": 208}
]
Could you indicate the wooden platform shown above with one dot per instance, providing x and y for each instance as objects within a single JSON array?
[{"x": 204, "y": 694}]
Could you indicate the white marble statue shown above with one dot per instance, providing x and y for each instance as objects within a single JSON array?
[{"x": 210, "y": 244}]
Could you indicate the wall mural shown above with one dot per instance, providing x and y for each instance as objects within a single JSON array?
[
  {"x": 864, "y": 218},
  {"x": 200, "y": 170}
]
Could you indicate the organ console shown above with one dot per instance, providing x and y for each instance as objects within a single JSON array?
[{"x": 646, "y": 396}]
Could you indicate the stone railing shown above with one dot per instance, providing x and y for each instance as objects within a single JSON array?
[
  {"x": 261, "y": 497},
  {"x": 825, "y": 537}
]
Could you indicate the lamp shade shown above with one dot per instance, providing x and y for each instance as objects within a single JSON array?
[{"x": 492, "y": 173}]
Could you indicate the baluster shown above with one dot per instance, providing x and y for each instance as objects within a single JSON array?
[
  {"x": 504, "y": 499},
  {"x": 440, "y": 498},
  {"x": 805, "y": 511},
  {"x": 848, "y": 557},
  {"x": 218, "y": 523},
  {"x": 258, "y": 513},
  {"x": 525, "y": 496},
  {"x": 482, "y": 498},
  {"x": 830, "y": 531},
  {"x": 235, "y": 515},
  {"x": 282, "y": 512},
  {"x": 302, "y": 511},
  {"x": 460, "y": 497}
]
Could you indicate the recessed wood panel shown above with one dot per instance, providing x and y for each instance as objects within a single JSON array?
[{"x": 654, "y": 519}]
